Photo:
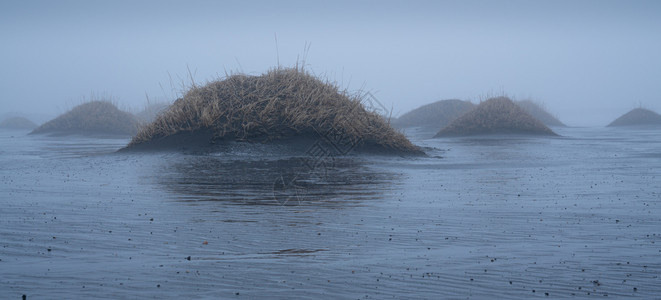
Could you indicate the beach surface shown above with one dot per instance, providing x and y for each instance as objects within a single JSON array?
[{"x": 577, "y": 215}]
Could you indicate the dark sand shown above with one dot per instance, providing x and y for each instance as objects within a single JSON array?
[
  {"x": 204, "y": 141},
  {"x": 498, "y": 217}
]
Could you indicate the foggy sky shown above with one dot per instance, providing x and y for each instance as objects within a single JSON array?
[{"x": 587, "y": 61}]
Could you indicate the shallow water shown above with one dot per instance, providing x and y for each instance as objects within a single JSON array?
[{"x": 577, "y": 215}]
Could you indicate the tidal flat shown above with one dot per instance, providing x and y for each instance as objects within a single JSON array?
[{"x": 578, "y": 215}]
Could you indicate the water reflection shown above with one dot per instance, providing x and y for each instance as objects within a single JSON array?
[{"x": 273, "y": 181}]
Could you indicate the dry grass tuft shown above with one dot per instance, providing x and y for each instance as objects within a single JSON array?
[
  {"x": 282, "y": 103},
  {"x": 495, "y": 116},
  {"x": 17, "y": 123},
  {"x": 435, "y": 115},
  {"x": 637, "y": 117},
  {"x": 92, "y": 118}
]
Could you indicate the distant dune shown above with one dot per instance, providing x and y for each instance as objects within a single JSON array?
[
  {"x": 537, "y": 111},
  {"x": 434, "y": 115},
  {"x": 495, "y": 116},
  {"x": 283, "y": 104},
  {"x": 637, "y": 117},
  {"x": 150, "y": 112},
  {"x": 17, "y": 123},
  {"x": 91, "y": 118}
]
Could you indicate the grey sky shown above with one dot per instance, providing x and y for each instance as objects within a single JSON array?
[{"x": 588, "y": 61}]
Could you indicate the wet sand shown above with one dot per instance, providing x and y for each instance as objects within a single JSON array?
[{"x": 511, "y": 217}]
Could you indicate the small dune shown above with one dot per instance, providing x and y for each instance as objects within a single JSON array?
[
  {"x": 282, "y": 104},
  {"x": 151, "y": 111},
  {"x": 434, "y": 115},
  {"x": 637, "y": 117},
  {"x": 95, "y": 118},
  {"x": 495, "y": 116},
  {"x": 17, "y": 123},
  {"x": 539, "y": 112}
]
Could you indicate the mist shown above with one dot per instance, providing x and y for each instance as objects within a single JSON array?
[{"x": 588, "y": 62}]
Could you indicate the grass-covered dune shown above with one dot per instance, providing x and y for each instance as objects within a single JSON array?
[
  {"x": 151, "y": 111},
  {"x": 95, "y": 118},
  {"x": 537, "y": 111},
  {"x": 637, "y": 117},
  {"x": 17, "y": 123},
  {"x": 282, "y": 104},
  {"x": 495, "y": 116},
  {"x": 434, "y": 115}
]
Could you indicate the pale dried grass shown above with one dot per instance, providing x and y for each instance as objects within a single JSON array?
[
  {"x": 94, "y": 117},
  {"x": 495, "y": 116},
  {"x": 282, "y": 103}
]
